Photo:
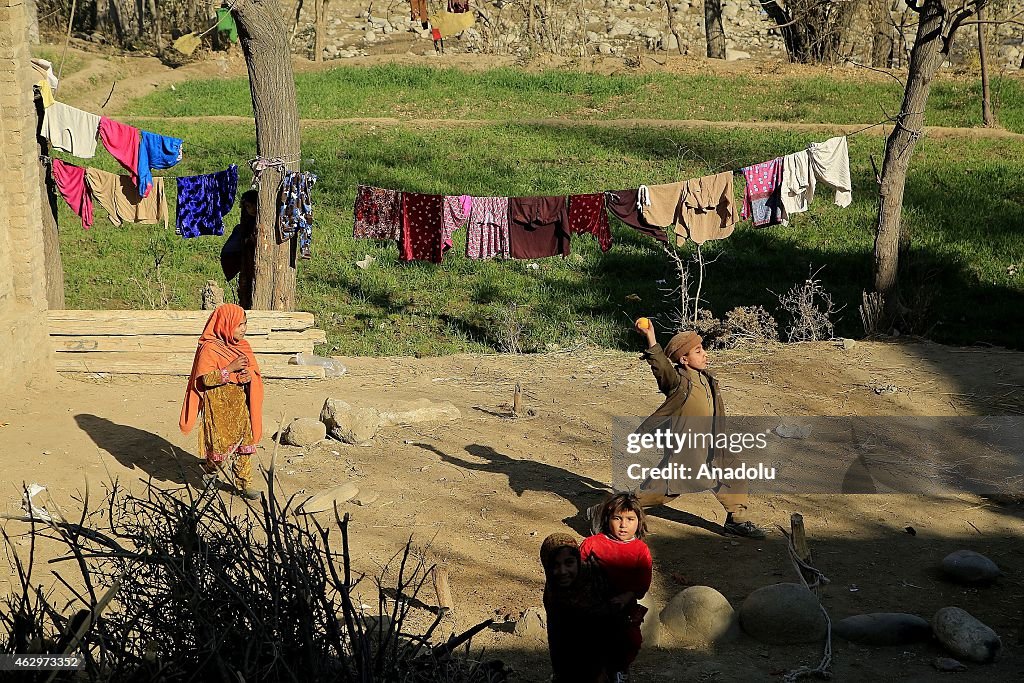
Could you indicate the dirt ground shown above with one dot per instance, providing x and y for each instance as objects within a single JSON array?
[{"x": 485, "y": 490}]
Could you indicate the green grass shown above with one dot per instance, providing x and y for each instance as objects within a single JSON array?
[
  {"x": 501, "y": 94},
  {"x": 964, "y": 203},
  {"x": 72, "y": 62}
]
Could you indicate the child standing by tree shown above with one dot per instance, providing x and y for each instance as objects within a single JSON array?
[
  {"x": 625, "y": 561},
  {"x": 226, "y": 389}
]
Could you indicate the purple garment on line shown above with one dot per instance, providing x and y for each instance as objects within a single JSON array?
[{"x": 204, "y": 200}]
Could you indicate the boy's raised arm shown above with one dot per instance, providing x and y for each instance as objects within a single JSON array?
[{"x": 664, "y": 371}]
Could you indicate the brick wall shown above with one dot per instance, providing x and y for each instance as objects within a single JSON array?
[{"x": 25, "y": 352}]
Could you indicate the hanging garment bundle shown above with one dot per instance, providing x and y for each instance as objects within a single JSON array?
[
  {"x": 487, "y": 235},
  {"x": 422, "y": 227},
  {"x": 456, "y": 215},
  {"x": 71, "y": 130},
  {"x": 624, "y": 205},
  {"x": 826, "y": 162},
  {"x": 378, "y": 214},
  {"x": 204, "y": 200},
  {"x": 588, "y": 215},
  {"x": 120, "y": 197},
  {"x": 538, "y": 227},
  {"x": 295, "y": 210},
  {"x": 155, "y": 152},
  {"x": 659, "y": 204},
  {"x": 70, "y": 182},
  {"x": 122, "y": 141},
  {"x": 762, "y": 199},
  {"x": 708, "y": 211}
]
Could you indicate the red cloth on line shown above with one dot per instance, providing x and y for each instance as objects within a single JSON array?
[
  {"x": 70, "y": 181},
  {"x": 422, "y": 227},
  {"x": 122, "y": 141},
  {"x": 588, "y": 215}
]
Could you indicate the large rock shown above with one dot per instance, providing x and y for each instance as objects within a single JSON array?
[
  {"x": 348, "y": 423},
  {"x": 883, "y": 628},
  {"x": 965, "y": 636},
  {"x": 670, "y": 43},
  {"x": 700, "y": 614},
  {"x": 621, "y": 28},
  {"x": 783, "y": 614},
  {"x": 419, "y": 410},
  {"x": 736, "y": 55},
  {"x": 967, "y": 566},
  {"x": 532, "y": 625},
  {"x": 304, "y": 431},
  {"x": 650, "y": 629},
  {"x": 325, "y": 500}
]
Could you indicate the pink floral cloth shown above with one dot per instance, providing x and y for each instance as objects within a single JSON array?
[
  {"x": 588, "y": 215},
  {"x": 487, "y": 234},
  {"x": 762, "y": 199},
  {"x": 456, "y": 215},
  {"x": 422, "y": 226}
]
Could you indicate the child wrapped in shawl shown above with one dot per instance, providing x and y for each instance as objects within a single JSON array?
[
  {"x": 580, "y": 619},
  {"x": 225, "y": 388}
]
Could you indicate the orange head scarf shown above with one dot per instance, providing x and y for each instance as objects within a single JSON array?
[{"x": 217, "y": 349}]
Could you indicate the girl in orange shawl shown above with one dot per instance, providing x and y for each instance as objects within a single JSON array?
[{"x": 226, "y": 389}]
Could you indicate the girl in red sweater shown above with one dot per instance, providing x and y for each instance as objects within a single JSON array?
[{"x": 626, "y": 562}]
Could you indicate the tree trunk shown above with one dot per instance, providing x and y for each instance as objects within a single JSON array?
[
  {"x": 264, "y": 39},
  {"x": 318, "y": 22},
  {"x": 713, "y": 29},
  {"x": 48, "y": 222},
  {"x": 986, "y": 95},
  {"x": 882, "y": 39},
  {"x": 925, "y": 59},
  {"x": 32, "y": 12},
  {"x": 154, "y": 9}
]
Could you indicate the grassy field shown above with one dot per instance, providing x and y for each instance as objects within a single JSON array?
[
  {"x": 424, "y": 92},
  {"x": 963, "y": 213}
]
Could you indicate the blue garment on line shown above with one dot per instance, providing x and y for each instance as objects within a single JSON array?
[
  {"x": 155, "y": 151},
  {"x": 204, "y": 200},
  {"x": 295, "y": 210}
]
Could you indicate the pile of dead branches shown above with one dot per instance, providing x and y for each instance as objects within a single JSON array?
[{"x": 177, "y": 585}]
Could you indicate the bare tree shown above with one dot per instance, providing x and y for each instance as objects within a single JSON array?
[
  {"x": 812, "y": 30},
  {"x": 713, "y": 29},
  {"x": 882, "y": 42},
  {"x": 986, "y": 95},
  {"x": 264, "y": 39},
  {"x": 937, "y": 24}
]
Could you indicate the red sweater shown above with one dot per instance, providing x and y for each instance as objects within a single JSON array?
[{"x": 626, "y": 564}]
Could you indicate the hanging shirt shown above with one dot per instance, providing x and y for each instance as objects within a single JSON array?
[
  {"x": 487, "y": 234},
  {"x": 623, "y": 205},
  {"x": 46, "y": 93},
  {"x": 588, "y": 215},
  {"x": 155, "y": 151},
  {"x": 797, "y": 184},
  {"x": 70, "y": 182},
  {"x": 538, "y": 227},
  {"x": 660, "y": 204},
  {"x": 378, "y": 214},
  {"x": 119, "y": 196},
  {"x": 422, "y": 227},
  {"x": 708, "y": 210},
  {"x": 456, "y": 215},
  {"x": 830, "y": 163},
  {"x": 122, "y": 141},
  {"x": 204, "y": 200},
  {"x": 295, "y": 210},
  {"x": 762, "y": 200},
  {"x": 71, "y": 130},
  {"x": 226, "y": 24}
]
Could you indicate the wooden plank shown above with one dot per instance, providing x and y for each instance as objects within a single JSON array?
[
  {"x": 110, "y": 363},
  {"x": 178, "y": 362},
  {"x": 311, "y": 335},
  {"x": 170, "y": 343},
  {"x": 97, "y": 322}
]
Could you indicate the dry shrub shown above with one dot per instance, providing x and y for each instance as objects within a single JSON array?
[
  {"x": 747, "y": 325},
  {"x": 810, "y": 311}
]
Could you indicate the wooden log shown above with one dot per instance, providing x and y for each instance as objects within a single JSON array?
[
  {"x": 796, "y": 524},
  {"x": 78, "y": 322},
  {"x": 168, "y": 343},
  {"x": 443, "y": 591},
  {"x": 174, "y": 364},
  {"x": 312, "y": 335}
]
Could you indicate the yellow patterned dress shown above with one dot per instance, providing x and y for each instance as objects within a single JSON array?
[{"x": 225, "y": 430}]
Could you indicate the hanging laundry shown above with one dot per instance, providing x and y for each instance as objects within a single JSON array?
[
  {"x": 422, "y": 227},
  {"x": 643, "y": 198},
  {"x": 538, "y": 227},
  {"x": 204, "y": 200},
  {"x": 588, "y": 215},
  {"x": 120, "y": 197},
  {"x": 449, "y": 24},
  {"x": 45, "y": 92},
  {"x": 378, "y": 214},
  {"x": 762, "y": 199},
  {"x": 226, "y": 24},
  {"x": 155, "y": 151},
  {"x": 708, "y": 211},
  {"x": 659, "y": 205},
  {"x": 458, "y": 6},
  {"x": 797, "y": 184},
  {"x": 122, "y": 141},
  {"x": 295, "y": 210},
  {"x": 45, "y": 70},
  {"x": 487, "y": 234},
  {"x": 71, "y": 129},
  {"x": 455, "y": 215},
  {"x": 623, "y": 205},
  {"x": 70, "y": 182},
  {"x": 830, "y": 161}
]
